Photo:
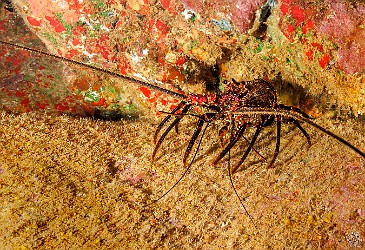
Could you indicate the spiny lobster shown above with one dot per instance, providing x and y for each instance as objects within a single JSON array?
[{"x": 241, "y": 105}]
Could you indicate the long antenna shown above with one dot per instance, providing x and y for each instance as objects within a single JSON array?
[{"x": 129, "y": 78}]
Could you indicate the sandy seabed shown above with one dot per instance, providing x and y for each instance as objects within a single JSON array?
[{"x": 78, "y": 183}]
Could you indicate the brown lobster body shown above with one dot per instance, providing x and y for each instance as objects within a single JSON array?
[{"x": 227, "y": 108}]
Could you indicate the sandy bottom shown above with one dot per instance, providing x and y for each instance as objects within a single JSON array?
[{"x": 78, "y": 183}]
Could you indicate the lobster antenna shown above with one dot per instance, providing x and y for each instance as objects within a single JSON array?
[
  {"x": 235, "y": 190},
  {"x": 285, "y": 113},
  {"x": 129, "y": 78},
  {"x": 229, "y": 168}
]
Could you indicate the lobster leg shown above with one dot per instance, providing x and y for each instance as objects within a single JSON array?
[
  {"x": 162, "y": 123},
  {"x": 277, "y": 146},
  {"x": 232, "y": 142},
  {"x": 243, "y": 158},
  {"x": 173, "y": 124},
  {"x": 197, "y": 131},
  {"x": 296, "y": 123}
]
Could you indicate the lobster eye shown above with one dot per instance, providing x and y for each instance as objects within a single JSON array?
[{"x": 225, "y": 82}]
